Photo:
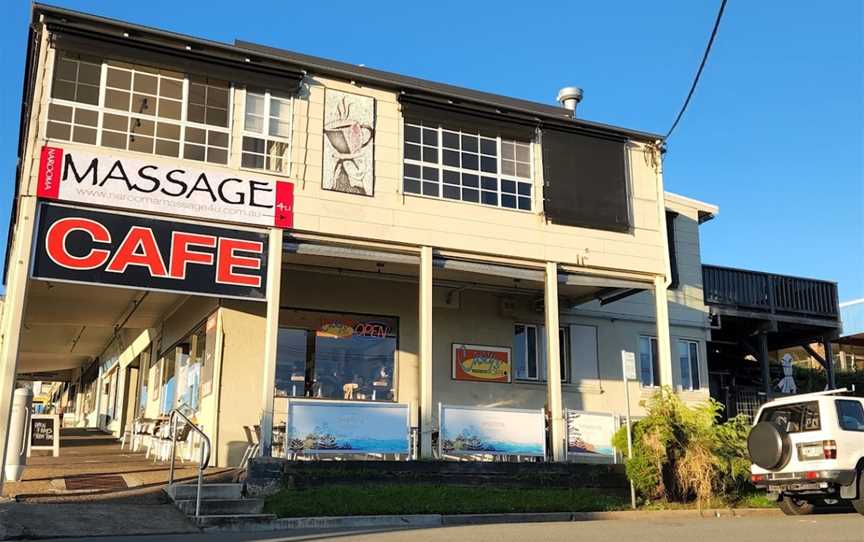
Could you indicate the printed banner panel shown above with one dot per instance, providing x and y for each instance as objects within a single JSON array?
[
  {"x": 495, "y": 431},
  {"x": 347, "y": 427},
  {"x": 481, "y": 363},
  {"x": 133, "y": 251},
  {"x": 155, "y": 186},
  {"x": 589, "y": 435}
]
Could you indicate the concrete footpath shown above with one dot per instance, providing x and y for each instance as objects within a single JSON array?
[
  {"x": 23, "y": 520},
  {"x": 57, "y": 520}
]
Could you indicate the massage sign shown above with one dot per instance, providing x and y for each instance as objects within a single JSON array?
[
  {"x": 134, "y": 251},
  {"x": 154, "y": 186}
]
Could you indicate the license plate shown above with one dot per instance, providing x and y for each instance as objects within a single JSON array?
[{"x": 811, "y": 452}]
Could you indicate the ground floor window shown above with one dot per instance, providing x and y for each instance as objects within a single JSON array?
[
  {"x": 181, "y": 367},
  {"x": 336, "y": 356},
  {"x": 649, "y": 369},
  {"x": 529, "y": 352},
  {"x": 688, "y": 357}
]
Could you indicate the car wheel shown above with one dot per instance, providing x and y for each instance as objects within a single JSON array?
[
  {"x": 858, "y": 504},
  {"x": 795, "y": 507}
]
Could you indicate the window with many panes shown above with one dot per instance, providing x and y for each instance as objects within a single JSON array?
[
  {"x": 139, "y": 108},
  {"x": 267, "y": 132},
  {"x": 688, "y": 357},
  {"x": 467, "y": 166},
  {"x": 649, "y": 369},
  {"x": 529, "y": 352}
]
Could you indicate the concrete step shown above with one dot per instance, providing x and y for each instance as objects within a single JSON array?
[
  {"x": 181, "y": 492},
  {"x": 211, "y": 507},
  {"x": 233, "y": 522}
]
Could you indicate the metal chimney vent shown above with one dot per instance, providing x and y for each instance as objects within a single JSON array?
[{"x": 569, "y": 98}]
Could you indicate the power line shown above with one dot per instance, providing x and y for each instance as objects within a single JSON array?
[{"x": 699, "y": 72}]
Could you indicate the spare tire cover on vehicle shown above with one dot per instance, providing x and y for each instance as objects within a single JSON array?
[{"x": 769, "y": 446}]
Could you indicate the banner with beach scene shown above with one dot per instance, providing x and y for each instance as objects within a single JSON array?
[
  {"x": 347, "y": 427},
  {"x": 589, "y": 436},
  {"x": 494, "y": 431}
]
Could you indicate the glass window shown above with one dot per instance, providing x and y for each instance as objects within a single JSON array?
[
  {"x": 267, "y": 132},
  {"x": 850, "y": 414},
  {"x": 794, "y": 418},
  {"x": 139, "y": 108},
  {"x": 169, "y": 381},
  {"x": 688, "y": 358},
  {"x": 454, "y": 161},
  {"x": 649, "y": 369},
  {"x": 336, "y": 356},
  {"x": 529, "y": 352}
]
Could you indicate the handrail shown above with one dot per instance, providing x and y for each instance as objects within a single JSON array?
[{"x": 205, "y": 458}]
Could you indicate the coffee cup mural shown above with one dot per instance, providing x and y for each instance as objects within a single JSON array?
[{"x": 348, "y": 143}]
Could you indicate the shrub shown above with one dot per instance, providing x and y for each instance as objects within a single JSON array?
[{"x": 680, "y": 452}]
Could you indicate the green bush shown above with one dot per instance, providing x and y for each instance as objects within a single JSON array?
[{"x": 680, "y": 452}]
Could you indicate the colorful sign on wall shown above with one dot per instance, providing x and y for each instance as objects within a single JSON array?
[
  {"x": 589, "y": 436},
  {"x": 152, "y": 185},
  {"x": 347, "y": 427},
  {"x": 134, "y": 251},
  {"x": 494, "y": 431},
  {"x": 481, "y": 363}
]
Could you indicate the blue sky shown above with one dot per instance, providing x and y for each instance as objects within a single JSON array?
[{"x": 774, "y": 135}]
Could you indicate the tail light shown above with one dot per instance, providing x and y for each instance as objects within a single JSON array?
[
  {"x": 757, "y": 478},
  {"x": 829, "y": 449}
]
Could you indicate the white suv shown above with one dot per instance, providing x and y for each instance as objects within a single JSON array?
[{"x": 809, "y": 449}]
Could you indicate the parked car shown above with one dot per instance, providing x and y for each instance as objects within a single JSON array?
[{"x": 808, "y": 450}]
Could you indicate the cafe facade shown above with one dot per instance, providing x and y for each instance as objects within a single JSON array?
[{"x": 260, "y": 237}]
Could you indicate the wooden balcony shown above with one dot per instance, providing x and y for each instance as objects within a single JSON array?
[{"x": 780, "y": 297}]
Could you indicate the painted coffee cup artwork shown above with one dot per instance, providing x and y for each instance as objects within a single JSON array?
[{"x": 349, "y": 136}]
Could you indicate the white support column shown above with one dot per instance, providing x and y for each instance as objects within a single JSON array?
[
  {"x": 13, "y": 312},
  {"x": 271, "y": 336},
  {"x": 664, "y": 344},
  {"x": 553, "y": 364},
  {"x": 425, "y": 352}
]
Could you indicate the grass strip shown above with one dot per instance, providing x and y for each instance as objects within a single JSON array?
[{"x": 366, "y": 500}]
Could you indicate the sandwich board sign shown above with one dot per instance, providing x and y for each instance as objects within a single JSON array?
[{"x": 44, "y": 433}]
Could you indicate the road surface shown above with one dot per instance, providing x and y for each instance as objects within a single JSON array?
[{"x": 822, "y": 528}]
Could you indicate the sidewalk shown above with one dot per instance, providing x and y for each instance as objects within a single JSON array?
[{"x": 91, "y": 466}]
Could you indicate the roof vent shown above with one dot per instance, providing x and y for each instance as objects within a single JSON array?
[{"x": 569, "y": 98}]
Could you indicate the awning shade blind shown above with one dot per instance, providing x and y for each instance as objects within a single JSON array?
[
  {"x": 192, "y": 62},
  {"x": 468, "y": 118},
  {"x": 585, "y": 181}
]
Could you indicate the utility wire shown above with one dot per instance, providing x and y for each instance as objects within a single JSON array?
[{"x": 699, "y": 72}]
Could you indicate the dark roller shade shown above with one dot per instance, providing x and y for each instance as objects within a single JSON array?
[
  {"x": 192, "y": 62},
  {"x": 585, "y": 181},
  {"x": 466, "y": 117}
]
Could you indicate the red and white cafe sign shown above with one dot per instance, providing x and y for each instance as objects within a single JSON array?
[{"x": 75, "y": 244}]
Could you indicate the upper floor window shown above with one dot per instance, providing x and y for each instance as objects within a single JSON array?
[
  {"x": 467, "y": 166},
  {"x": 688, "y": 357},
  {"x": 267, "y": 132},
  {"x": 139, "y": 108}
]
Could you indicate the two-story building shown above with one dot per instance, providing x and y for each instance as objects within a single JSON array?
[{"x": 235, "y": 228}]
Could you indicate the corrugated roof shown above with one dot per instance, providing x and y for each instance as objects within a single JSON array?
[{"x": 342, "y": 70}]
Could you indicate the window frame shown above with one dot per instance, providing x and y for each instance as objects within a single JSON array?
[
  {"x": 690, "y": 344},
  {"x": 101, "y": 109},
  {"x": 653, "y": 351},
  {"x": 265, "y": 133},
  {"x": 479, "y": 173},
  {"x": 564, "y": 356}
]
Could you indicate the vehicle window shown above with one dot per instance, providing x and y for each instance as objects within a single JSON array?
[
  {"x": 794, "y": 418},
  {"x": 850, "y": 414}
]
